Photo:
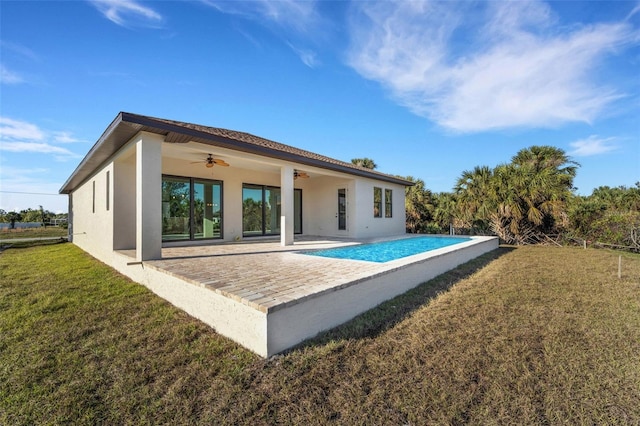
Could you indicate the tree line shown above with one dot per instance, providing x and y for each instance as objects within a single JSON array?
[
  {"x": 530, "y": 200},
  {"x": 45, "y": 217}
]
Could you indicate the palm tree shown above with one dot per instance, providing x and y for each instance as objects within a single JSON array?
[
  {"x": 473, "y": 190},
  {"x": 418, "y": 205},
  {"x": 505, "y": 219},
  {"x": 367, "y": 163},
  {"x": 546, "y": 157},
  {"x": 13, "y": 217},
  {"x": 532, "y": 194},
  {"x": 444, "y": 212},
  {"x": 521, "y": 201}
]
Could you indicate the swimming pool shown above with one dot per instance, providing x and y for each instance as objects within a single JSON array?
[{"x": 386, "y": 251}]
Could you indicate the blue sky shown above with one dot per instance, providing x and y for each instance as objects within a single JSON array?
[{"x": 426, "y": 89}]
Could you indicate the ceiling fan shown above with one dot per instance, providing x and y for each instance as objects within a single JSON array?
[
  {"x": 297, "y": 174},
  {"x": 210, "y": 162}
]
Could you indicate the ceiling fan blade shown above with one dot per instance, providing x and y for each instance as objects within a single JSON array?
[
  {"x": 298, "y": 174},
  {"x": 219, "y": 162}
]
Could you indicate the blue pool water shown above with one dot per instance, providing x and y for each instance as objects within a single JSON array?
[{"x": 389, "y": 250}]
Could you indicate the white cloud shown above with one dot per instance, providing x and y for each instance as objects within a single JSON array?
[
  {"x": 18, "y": 179},
  {"x": 297, "y": 19},
  {"x": 11, "y": 51},
  {"x": 593, "y": 145},
  {"x": 23, "y": 137},
  {"x": 65, "y": 137},
  {"x": 9, "y": 77},
  {"x": 633, "y": 12},
  {"x": 15, "y": 129},
  {"x": 19, "y": 176},
  {"x": 19, "y": 49},
  {"x": 27, "y": 176},
  {"x": 36, "y": 147},
  {"x": 473, "y": 67},
  {"x": 290, "y": 14},
  {"x": 308, "y": 57},
  {"x": 128, "y": 13}
]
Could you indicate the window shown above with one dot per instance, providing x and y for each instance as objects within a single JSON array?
[
  {"x": 342, "y": 209},
  {"x": 207, "y": 209},
  {"x": 297, "y": 211},
  {"x": 252, "y": 210},
  {"x": 388, "y": 197},
  {"x": 191, "y": 209},
  {"x": 108, "y": 191},
  {"x": 262, "y": 208},
  {"x": 176, "y": 208},
  {"x": 93, "y": 197},
  {"x": 377, "y": 202}
]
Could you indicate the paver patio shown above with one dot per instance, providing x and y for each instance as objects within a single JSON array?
[
  {"x": 262, "y": 273},
  {"x": 270, "y": 297}
]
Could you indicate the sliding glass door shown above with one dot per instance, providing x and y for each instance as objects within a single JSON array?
[
  {"x": 176, "y": 208},
  {"x": 262, "y": 208},
  {"x": 272, "y": 210},
  {"x": 191, "y": 209},
  {"x": 252, "y": 204},
  {"x": 207, "y": 208}
]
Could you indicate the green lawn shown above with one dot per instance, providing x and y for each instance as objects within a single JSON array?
[{"x": 534, "y": 335}]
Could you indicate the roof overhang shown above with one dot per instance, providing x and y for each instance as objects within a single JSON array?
[{"x": 126, "y": 125}]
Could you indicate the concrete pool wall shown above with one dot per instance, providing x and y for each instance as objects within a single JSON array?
[
  {"x": 269, "y": 299},
  {"x": 292, "y": 325}
]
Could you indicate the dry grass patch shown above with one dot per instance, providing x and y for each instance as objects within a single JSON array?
[
  {"x": 534, "y": 335},
  {"x": 43, "y": 232}
]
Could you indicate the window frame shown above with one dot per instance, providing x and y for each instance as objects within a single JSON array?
[
  {"x": 192, "y": 182},
  {"x": 377, "y": 202},
  {"x": 264, "y": 189},
  {"x": 388, "y": 203}
]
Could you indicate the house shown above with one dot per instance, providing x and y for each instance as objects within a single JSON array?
[
  {"x": 151, "y": 186},
  {"x": 151, "y": 182}
]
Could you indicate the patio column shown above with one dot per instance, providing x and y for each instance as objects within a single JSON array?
[
  {"x": 286, "y": 206},
  {"x": 148, "y": 197}
]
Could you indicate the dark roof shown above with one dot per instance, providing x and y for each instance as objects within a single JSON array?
[{"x": 126, "y": 125}]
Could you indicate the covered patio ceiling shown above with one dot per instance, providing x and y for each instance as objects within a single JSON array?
[{"x": 192, "y": 152}]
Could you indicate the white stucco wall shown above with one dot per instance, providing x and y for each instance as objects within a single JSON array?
[
  {"x": 320, "y": 205},
  {"x": 148, "y": 196},
  {"x": 319, "y": 200},
  {"x": 124, "y": 201},
  {"x": 112, "y": 226},
  {"x": 368, "y": 226},
  {"x": 241, "y": 323},
  {"x": 92, "y": 222}
]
